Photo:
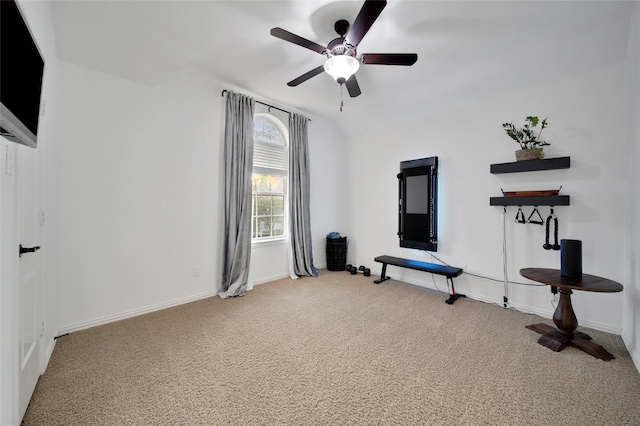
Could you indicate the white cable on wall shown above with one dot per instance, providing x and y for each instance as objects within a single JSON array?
[{"x": 504, "y": 256}]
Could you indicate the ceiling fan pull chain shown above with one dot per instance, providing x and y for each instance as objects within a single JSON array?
[{"x": 341, "y": 101}]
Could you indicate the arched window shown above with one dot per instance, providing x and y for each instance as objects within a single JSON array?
[{"x": 270, "y": 174}]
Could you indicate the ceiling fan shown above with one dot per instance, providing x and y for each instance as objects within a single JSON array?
[{"x": 343, "y": 62}]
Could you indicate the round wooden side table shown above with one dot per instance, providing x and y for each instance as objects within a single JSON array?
[{"x": 564, "y": 318}]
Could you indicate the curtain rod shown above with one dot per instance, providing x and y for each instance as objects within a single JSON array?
[{"x": 265, "y": 104}]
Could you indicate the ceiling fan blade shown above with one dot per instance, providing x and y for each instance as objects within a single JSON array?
[
  {"x": 367, "y": 16},
  {"x": 353, "y": 87},
  {"x": 296, "y": 39},
  {"x": 306, "y": 76},
  {"x": 389, "y": 58}
]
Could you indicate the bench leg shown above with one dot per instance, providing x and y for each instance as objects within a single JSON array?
[
  {"x": 383, "y": 276},
  {"x": 453, "y": 296}
]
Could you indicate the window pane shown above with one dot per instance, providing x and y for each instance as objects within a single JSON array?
[
  {"x": 261, "y": 183},
  {"x": 264, "y": 205},
  {"x": 277, "y": 184},
  {"x": 278, "y": 226},
  {"x": 266, "y": 183},
  {"x": 264, "y": 227},
  {"x": 266, "y": 131},
  {"x": 278, "y": 205}
]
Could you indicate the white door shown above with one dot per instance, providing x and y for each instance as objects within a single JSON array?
[
  {"x": 29, "y": 273},
  {"x": 22, "y": 231}
]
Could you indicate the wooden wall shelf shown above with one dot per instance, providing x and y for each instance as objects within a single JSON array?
[
  {"x": 532, "y": 165},
  {"x": 552, "y": 200}
]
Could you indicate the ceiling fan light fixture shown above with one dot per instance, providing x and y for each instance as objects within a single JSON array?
[{"x": 341, "y": 67}]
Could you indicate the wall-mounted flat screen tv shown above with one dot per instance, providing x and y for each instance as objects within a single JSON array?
[
  {"x": 21, "y": 71},
  {"x": 418, "y": 204}
]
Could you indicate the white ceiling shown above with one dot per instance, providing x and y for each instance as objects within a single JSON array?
[{"x": 466, "y": 50}]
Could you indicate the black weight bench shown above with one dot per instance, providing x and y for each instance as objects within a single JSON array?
[{"x": 448, "y": 271}]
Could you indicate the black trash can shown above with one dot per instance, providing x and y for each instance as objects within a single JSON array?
[{"x": 337, "y": 254}]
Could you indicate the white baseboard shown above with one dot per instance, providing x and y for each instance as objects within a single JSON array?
[
  {"x": 271, "y": 278},
  {"x": 133, "y": 313},
  {"x": 547, "y": 314},
  {"x": 634, "y": 355},
  {"x": 522, "y": 308},
  {"x": 46, "y": 356},
  {"x": 48, "y": 353},
  {"x": 151, "y": 308}
]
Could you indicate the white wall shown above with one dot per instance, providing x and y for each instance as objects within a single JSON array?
[
  {"x": 586, "y": 121},
  {"x": 631, "y": 311},
  {"x": 326, "y": 186},
  {"x": 138, "y": 191},
  {"x": 38, "y": 17},
  {"x": 141, "y": 194}
]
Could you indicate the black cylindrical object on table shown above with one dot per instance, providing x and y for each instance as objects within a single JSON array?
[
  {"x": 336, "y": 254},
  {"x": 571, "y": 258}
]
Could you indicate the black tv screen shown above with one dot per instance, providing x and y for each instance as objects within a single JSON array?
[
  {"x": 418, "y": 204},
  {"x": 21, "y": 72}
]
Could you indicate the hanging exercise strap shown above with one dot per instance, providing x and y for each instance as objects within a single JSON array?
[
  {"x": 520, "y": 216},
  {"x": 546, "y": 245}
]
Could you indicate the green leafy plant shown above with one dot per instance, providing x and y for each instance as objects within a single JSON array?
[{"x": 526, "y": 136}]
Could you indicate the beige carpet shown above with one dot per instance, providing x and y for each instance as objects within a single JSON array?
[{"x": 332, "y": 350}]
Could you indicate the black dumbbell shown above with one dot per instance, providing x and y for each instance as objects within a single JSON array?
[
  {"x": 362, "y": 268},
  {"x": 348, "y": 267},
  {"x": 365, "y": 271}
]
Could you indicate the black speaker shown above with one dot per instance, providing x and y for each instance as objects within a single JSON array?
[{"x": 571, "y": 258}]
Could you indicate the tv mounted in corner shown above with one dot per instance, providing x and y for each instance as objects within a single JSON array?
[
  {"x": 418, "y": 204},
  {"x": 21, "y": 72}
]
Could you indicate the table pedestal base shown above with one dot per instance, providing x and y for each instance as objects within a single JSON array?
[
  {"x": 563, "y": 317},
  {"x": 555, "y": 340}
]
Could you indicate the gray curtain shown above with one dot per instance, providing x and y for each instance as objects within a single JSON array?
[
  {"x": 238, "y": 164},
  {"x": 299, "y": 217}
]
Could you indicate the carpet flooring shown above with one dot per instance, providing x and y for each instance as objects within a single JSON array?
[{"x": 332, "y": 350}]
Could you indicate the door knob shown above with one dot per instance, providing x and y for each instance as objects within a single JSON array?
[{"x": 24, "y": 250}]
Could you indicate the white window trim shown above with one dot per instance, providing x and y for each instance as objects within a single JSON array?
[
  {"x": 269, "y": 241},
  {"x": 280, "y": 239}
]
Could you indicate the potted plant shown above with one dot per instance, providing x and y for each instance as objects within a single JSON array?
[{"x": 530, "y": 143}]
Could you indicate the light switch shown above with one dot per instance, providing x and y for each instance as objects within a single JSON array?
[{"x": 9, "y": 162}]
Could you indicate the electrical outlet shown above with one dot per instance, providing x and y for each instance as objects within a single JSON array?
[{"x": 196, "y": 271}]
